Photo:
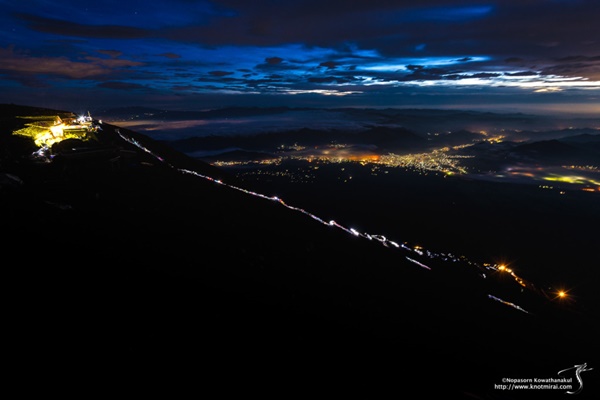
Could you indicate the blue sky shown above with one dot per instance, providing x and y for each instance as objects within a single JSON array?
[{"x": 529, "y": 55}]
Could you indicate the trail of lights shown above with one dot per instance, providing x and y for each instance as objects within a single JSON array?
[
  {"x": 382, "y": 239},
  {"x": 508, "y": 303},
  {"x": 418, "y": 250},
  {"x": 420, "y": 264}
]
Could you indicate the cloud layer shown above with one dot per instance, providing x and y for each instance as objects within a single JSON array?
[{"x": 307, "y": 52}]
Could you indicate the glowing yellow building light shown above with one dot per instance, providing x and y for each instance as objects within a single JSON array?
[
  {"x": 57, "y": 130},
  {"x": 47, "y": 130}
]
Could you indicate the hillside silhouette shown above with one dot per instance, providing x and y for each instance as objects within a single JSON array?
[{"x": 125, "y": 266}]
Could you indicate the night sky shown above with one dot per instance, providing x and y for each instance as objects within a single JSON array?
[{"x": 521, "y": 55}]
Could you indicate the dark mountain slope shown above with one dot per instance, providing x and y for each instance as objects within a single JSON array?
[
  {"x": 556, "y": 152},
  {"x": 124, "y": 270}
]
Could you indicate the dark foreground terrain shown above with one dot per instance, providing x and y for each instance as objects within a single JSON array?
[{"x": 126, "y": 276}]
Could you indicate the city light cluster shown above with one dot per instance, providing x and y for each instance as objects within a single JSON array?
[{"x": 436, "y": 160}]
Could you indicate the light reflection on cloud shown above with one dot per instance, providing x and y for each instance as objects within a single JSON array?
[
  {"x": 402, "y": 63},
  {"x": 319, "y": 91},
  {"x": 563, "y": 176}
]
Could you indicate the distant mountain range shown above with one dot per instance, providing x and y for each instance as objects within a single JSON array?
[
  {"x": 571, "y": 146},
  {"x": 264, "y": 130},
  {"x": 382, "y": 115},
  {"x": 421, "y": 121},
  {"x": 580, "y": 149}
]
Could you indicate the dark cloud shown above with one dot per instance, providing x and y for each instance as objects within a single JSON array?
[
  {"x": 400, "y": 27},
  {"x": 111, "y": 53},
  {"x": 271, "y": 65},
  {"x": 579, "y": 59},
  {"x": 328, "y": 79},
  {"x": 584, "y": 70},
  {"x": 483, "y": 75},
  {"x": 27, "y": 80},
  {"x": 422, "y": 73},
  {"x": 220, "y": 73},
  {"x": 274, "y": 60},
  {"x": 329, "y": 64},
  {"x": 23, "y": 64},
  {"x": 76, "y": 29},
  {"x": 113, "y": 63},
  {"x": 170, "y": 55},
  {"x": 184, "y": 88},
  {"x": 522, "y": 73},
  {"x": 120, "y": 85}
]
